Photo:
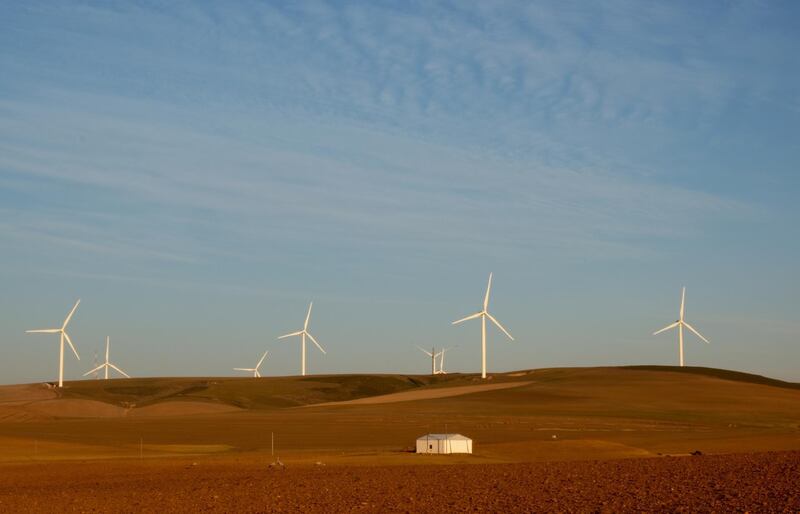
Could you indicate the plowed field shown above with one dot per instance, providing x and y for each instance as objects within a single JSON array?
[{"x": 763, "y": 482}]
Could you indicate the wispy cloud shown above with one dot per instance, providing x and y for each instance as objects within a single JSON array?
[
  {"x": 233, "y": 145},
  {"x": 316, "y": 181}
]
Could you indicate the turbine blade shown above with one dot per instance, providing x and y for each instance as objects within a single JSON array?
[
  {"x": 44, "y": 331},
  {"x": 119, "y": 370},
  {"x": 72, "y": 346},
  {"x": 69, "y": 316},
  {"x": 316, "y": 343},
  {"x": 243, "y": 369},
  {"x": 98, "y": 368},
  {"x": 108, "y": 343},
  {"x": 426, "y": 352},
  {"x": 683, "y": 301},
  {"x": 290, "y": 335},
  {"x": 257, "y": 374},
  {"x": 499, "y": 326},
  {"x": 308, "y": 316},
  {"x": 262, "y": 359},
  {"x": 488, "y": 288},
  {"x": 695, "y": 332},
  {"x": 666, "y": 328},
  {"x": 471, "y": 316}
]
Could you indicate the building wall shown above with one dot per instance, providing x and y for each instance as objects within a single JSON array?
[{"x": 443, "y": 446}]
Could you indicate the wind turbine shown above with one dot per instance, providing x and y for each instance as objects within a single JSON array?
[
  {"x": 441, "y": 360},
  {"x": 303, "y": 334},
  {"x": 107, "y": 364},
  {"x": 483, "y": 314},
  {"x": 680, "y": 323},
  {"x": 63, "y": 335},
  {"x": 432, "y": 354},
  {"x": 94, "y": 363},
  {"x": 256, "y": 374}
]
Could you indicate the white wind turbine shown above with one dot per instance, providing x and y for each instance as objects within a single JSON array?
[
  {"x": 483, "y": 314},
  {"x": 63, "y": 335},
  {"x": 303, "y": 334},
  {"x": 256, "y": 374},
  {"x": 680, "y": 323},
  {"x": 107, "y": 364},
  {"x": 441, "y": 361},
  {"x": 432, "y": 354}
]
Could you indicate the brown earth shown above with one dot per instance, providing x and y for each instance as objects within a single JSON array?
[
  {"x": 424, "y": 394},
  {"x": 74, "y": 408},
  {"x": 177, "y": 408},
  {"x": 23, "y": 393},
  {"x": 764, "y": 482},
  {"x": 545, "y": 440},
  {"x": 528, "y": 416}
]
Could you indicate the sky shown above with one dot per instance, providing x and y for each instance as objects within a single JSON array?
[{"x": 198, "y": 172}]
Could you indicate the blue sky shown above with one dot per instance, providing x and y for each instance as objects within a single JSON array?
[{"x": 196, "y": 173}]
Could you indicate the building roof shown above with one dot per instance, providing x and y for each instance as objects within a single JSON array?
[{"x": 450, "y": 437}]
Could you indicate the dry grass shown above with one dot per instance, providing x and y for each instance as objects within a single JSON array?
[{"x": 594, "y": 413}]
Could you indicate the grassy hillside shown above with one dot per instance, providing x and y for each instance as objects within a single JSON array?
[
  {"x": 252, "y": 393},
  {"x": 549, "y": 414},
  {"x": 724, "y": 374},
  {"x": 293, "y": 391}
]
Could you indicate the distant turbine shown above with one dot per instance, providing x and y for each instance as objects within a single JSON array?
[
  {"x": 63, "y": 335},
  {"x": 432, "y": 354},
  {"x": 483, "y": 314},
  {"x": 441, "y": 370},
  {"x": 256, "y": 374},
  {"x": 107, "y": 364},
  {"x": 303, "y": 334},
  {"x": 680, "y": 323},
  {"x": 94, "y": 363}
]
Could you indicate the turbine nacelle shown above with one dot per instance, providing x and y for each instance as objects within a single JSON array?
[
  {"x": 303, "y": 334},
  {"x": 63, "y": 336},
  {"x": 255, "y": 371},
  {"x": 432, "y": 354},
  {"x": 441, "y": 370},
  {"x": 107, "y": 364},
  {"x": 680, "y": 323},
  {"x": 484, "y": 314}
]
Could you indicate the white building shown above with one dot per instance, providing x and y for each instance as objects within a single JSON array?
[{"x": 444, "y": 443}]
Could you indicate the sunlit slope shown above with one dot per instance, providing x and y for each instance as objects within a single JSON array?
[
  {"x": 724, "y": 374},
  {"x": 546, "y": 414},
  {"x": 638, "y": 392},
  {"x": 597, "y": 396},
  {"x": 251, "y": 393}
]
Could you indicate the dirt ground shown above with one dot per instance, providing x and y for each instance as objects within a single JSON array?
[
  {"x": 533, "y": 416},
  {"x": 558, "y": 440},
  {"x": 426, "y": 394},
  {"x": 763, "y": 482}
]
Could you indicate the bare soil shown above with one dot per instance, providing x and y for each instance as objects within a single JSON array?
[
  {"x": 425, "y": 394},
  {"x": 763, "y": 482}
]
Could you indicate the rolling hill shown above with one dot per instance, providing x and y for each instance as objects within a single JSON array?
[{"x": 559, "y": 413}]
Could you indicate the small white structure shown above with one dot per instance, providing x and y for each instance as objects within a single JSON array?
[{"x": 444, "y": 443}]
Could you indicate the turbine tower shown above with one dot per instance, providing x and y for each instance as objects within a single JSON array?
[
  {"x": 441, "y": 361},
  {"x": 432, "y": 354},
  {"x": 107, "y": 364},
  {"x": 63, "y": 335},
  {"x": 303, "y": 334},
  {"x": 94, "y": 363},
  {"x": 483, "y": 314},
  {"x": 680, "y": 323},
  {"x": 256, "y": 374}
]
